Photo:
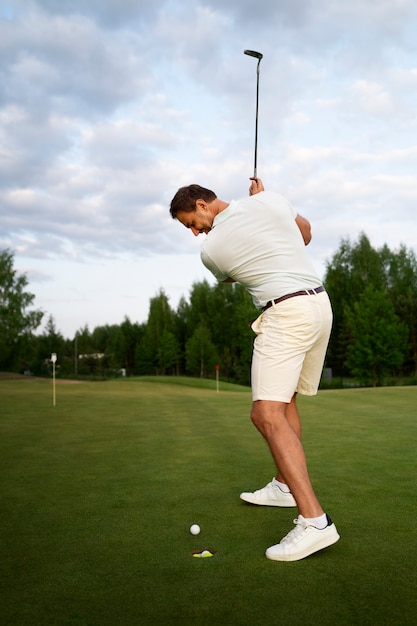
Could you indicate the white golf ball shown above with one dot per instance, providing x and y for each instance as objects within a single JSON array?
[{"x": 195, "y": 529}]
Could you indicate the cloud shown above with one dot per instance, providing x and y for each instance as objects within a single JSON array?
[{"x": 109, "y": 106}]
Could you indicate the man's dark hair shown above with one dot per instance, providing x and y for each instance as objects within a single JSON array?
[{"x": 186, "y": 197}]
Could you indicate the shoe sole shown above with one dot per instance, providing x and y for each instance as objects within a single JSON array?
[
  {"x": 284, "y": 505},
  {"x": 326, "y": 542}
]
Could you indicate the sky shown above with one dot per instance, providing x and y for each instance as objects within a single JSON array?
[{"x": 107, "y": 107}]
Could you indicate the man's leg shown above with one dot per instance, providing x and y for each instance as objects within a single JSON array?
[
  {"x": 294, "y": 421},
  {"x": 271, "y": 419},
  {"x": 275, "y": 493},
  {"x": 314, "y": 530},
  {"x": 293, "y": 416}
]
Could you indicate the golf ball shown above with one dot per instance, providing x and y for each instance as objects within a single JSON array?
[{"x": 195, "y": 529}]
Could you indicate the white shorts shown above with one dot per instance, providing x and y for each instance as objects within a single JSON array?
[{"x": 290, "y": 347}]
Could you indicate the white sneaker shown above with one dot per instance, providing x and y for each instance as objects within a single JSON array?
[
  {"x": 303, "y": 540},
  {"x": 270, "y": 495}
]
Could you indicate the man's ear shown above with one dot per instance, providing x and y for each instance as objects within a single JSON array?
[{"x": 201, "y": 204}]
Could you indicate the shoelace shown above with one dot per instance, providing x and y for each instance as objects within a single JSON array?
[
  {"x": 266, "y": 488},
  {"x": 294, "y": 534}
]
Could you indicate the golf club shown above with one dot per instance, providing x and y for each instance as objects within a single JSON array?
[{"x": 258, "y": 56}]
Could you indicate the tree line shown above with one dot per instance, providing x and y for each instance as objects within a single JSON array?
[{"x": 374, "y": 337}]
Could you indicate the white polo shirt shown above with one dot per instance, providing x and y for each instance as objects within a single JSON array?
[{"x": 257, "y": 242}]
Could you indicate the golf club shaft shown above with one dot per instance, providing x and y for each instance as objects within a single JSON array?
[
  {"x": 255, "y": 166},
  {"x": 258, "y": 56}
]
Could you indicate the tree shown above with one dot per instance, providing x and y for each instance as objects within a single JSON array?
[
  {"x": 16, "y": 322},
  {"x": 355, "y": 268},
  {"x": 201, "y": 355},
  {"x": 160, "y": 319},
  {"x": 49, "y": 341},
  {"x": 225, "y": 310},
  {"x": 200, "y": 306},
  {"x": 352, "y": 268},
  {"x": 129, "y": 336},
  {"x": 378, "y": 337},
  {"x": 168, "y": 353},
  {"x": 401, "y": 270},
  {"x": 86, "y": 364},
  {"x": 242, "y": 336},
  {"x": 181, "y": 330}
]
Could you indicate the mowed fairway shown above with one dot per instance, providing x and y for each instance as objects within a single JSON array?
[{"x": 99, "y": 492}]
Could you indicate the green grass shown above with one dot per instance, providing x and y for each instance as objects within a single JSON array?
[{"x": 98, "y": 493}]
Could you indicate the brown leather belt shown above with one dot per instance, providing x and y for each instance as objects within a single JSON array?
[{"x": 304, "y": 292}]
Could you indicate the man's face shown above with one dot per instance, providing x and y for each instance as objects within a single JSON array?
[{"x": 198, "y": 221}]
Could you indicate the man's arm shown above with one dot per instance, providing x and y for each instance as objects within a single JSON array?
[{"x": 305, "y": 228}]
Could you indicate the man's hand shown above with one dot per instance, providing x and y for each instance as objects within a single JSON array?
[{"x": 256, "y": 186}]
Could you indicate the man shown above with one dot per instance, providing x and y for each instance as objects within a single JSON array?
[{"x": 260, "y": 242}]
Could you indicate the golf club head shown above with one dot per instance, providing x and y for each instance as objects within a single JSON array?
[{"x": 253, "y": 53}]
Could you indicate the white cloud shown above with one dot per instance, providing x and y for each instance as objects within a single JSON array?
[{"x": 109, "y": 106}]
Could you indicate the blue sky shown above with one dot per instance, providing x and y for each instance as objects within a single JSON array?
[{"x": 108, "y": 106}]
